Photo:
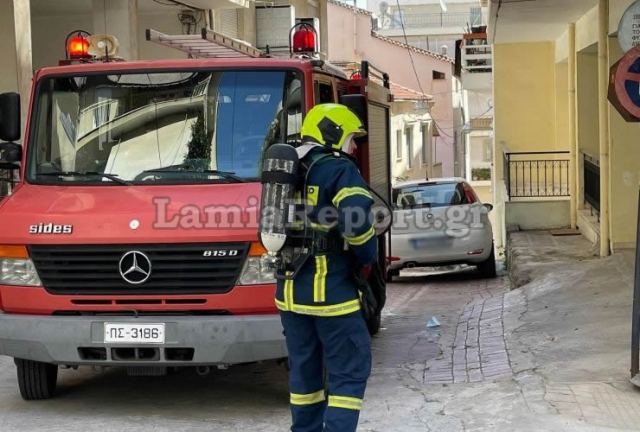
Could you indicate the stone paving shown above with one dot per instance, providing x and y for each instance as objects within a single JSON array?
[
  {"x": 552, "y": 356},
  {"x": 596, "y": 403},
  {"x": 479, "y": 350}
]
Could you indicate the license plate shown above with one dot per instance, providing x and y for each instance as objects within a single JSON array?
[
  {"x": 431, "y": 243},
  {"x": 133, "y": 333}
]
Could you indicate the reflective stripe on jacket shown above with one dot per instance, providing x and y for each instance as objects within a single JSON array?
[{"x": 340, "y": 200}]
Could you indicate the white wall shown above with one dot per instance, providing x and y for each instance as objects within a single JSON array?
[
  {"x": 165, "y": 22},
  {"x": 405, "y": 117},
  {"x": 48, "y": 33}
]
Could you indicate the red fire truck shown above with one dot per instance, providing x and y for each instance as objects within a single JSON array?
[{"x": 130, "y": 235}]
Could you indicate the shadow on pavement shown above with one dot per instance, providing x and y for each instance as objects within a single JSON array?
[{"x": 183, "y": 391}]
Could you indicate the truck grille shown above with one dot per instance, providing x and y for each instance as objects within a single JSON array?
[{"x": 198, "y": 268}]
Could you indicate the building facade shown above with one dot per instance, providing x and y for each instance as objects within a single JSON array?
[
  {"x": 36, "y": 30},
  {"x": 564, "y": 156},
  {"x": 424, "y": 112}
]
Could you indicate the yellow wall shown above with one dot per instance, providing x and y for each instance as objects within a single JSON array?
[
  {"x": 562, "y": 106},
  {"x": 524, "y": 100},
  {"x": 587, "y": 103},
  {"x": 625, "y": 171},
  {"x": 587, "y": 29}
]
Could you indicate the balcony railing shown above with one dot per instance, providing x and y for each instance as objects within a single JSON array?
[
  {"x": 435, "y": 20},
  {"x": 536, "y": 174},
  {"x": 476, "y": 53},
  {"x": 591, "y": 174}
]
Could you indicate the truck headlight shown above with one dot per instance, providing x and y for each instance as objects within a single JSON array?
[
  {"x": 16, "y": 268},
  {"x": 254, "y": 271}
]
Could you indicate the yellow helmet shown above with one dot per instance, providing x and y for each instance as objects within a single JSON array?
[{"x": 330, "y": 124}]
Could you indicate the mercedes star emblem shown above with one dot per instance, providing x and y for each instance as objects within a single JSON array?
[{"x": 135, "y": 267}]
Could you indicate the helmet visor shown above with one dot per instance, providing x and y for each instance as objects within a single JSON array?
[{"x": 360, "y": 133}]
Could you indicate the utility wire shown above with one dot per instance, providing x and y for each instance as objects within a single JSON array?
[
  {"x": 413, "y": 66},
  {"x": 495, "y": 24},
  {"x": 177, "y": 3},
  {"x": 479, "y": 116},
  {"x": 406, "y": 41}
]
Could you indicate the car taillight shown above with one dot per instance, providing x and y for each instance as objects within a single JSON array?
[{"x": 469, "y": 194}]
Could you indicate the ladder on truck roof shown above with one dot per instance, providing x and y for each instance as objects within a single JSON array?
[{"x": 207, "y": 44}]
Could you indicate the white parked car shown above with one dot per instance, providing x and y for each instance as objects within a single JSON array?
[{"x": 440, "y": 222}]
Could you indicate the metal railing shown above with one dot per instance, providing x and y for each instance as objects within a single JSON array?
[
  {"x": 434, "y": 20},
  {"x": 476, "y": 56},
  {"x": 536, "y": 174},
  {"x": 8, "y": 178},
  {"x": 591, "y": 174}
]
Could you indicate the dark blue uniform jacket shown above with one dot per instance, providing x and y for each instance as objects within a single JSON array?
[{"x": 340, "y": 202}]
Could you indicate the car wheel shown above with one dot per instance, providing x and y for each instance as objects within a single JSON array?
[
  {"x": 487, "y": 268},
  {"x": 391, "y": 274},
  {"x": 36, "y": 380}
]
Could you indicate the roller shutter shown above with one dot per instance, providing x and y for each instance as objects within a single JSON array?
[
  {"x": 229, "y": 22},
  {"x": 379, "y": 157}
]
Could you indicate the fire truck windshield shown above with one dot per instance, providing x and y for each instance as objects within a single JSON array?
[{"x": 162, "y": 127}]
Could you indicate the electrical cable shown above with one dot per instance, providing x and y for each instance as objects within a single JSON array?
[
  {"x": 415, "y": 71},
  {"x": 177, "y": 3},
  {"x": 479, "y": 116},
  {"x": 163, "y": 3},
  {"x": 495, "y": 24},
  {"x": 406, "y": 41}
]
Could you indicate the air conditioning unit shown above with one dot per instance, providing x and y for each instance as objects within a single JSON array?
[{"x": 273, "y": 24}]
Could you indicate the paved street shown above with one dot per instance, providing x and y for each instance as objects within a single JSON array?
[
  {"x": 407, "y": 356},
  {"x": 525, "y": 359}
]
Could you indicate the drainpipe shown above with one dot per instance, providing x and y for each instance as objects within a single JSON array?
[
  {"x": 574, "y": 177},
  {"x": 603, "y": 121}
]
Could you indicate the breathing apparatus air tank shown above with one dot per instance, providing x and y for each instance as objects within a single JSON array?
[{"x": 279, "y": 178}]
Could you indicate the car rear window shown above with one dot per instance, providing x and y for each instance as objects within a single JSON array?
[{"x": 430, "y": 195}]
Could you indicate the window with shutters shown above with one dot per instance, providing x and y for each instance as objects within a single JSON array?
[
  {"x": 408, "y": 139},
  {"x": 426, "y": 143},
  {"x": 399, "y": 145}
]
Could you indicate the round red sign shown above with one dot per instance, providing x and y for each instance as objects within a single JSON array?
[{"x": 625, "y": 83}]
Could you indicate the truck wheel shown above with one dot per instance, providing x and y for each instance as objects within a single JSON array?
[
  {"x": 374, "y": 324},
  {"x": 487, "y": 268},
  {"x": 36, "y": 380}
]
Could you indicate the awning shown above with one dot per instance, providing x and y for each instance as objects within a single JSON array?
[{"x": 205, "y": 45}]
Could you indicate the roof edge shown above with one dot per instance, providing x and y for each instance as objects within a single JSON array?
[{"x": 412, "y": 48}]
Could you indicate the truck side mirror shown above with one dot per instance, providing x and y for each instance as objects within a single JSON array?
[
  {"x": 10, "y": 152},
  {"x": 9, "y": 116}
]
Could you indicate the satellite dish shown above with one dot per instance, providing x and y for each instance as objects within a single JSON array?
[
  {"x": 384, "y": 8},
  {"x": 102, "y": 45}
]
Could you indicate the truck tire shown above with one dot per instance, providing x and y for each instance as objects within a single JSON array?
[
  {"x": 487, "y": 268},
  {"x": 374, "y": 324},
  {"x": 36, "y": 380}
]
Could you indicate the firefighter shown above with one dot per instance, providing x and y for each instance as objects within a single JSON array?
[{"x": 326, "y": 334}]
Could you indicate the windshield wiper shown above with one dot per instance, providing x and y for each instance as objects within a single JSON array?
[
  {"x": 112, "y": 177},
  {"x": 185, "y": 168}
]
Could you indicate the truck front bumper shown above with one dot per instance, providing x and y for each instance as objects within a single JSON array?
[{"x": 190, "y": 340}]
